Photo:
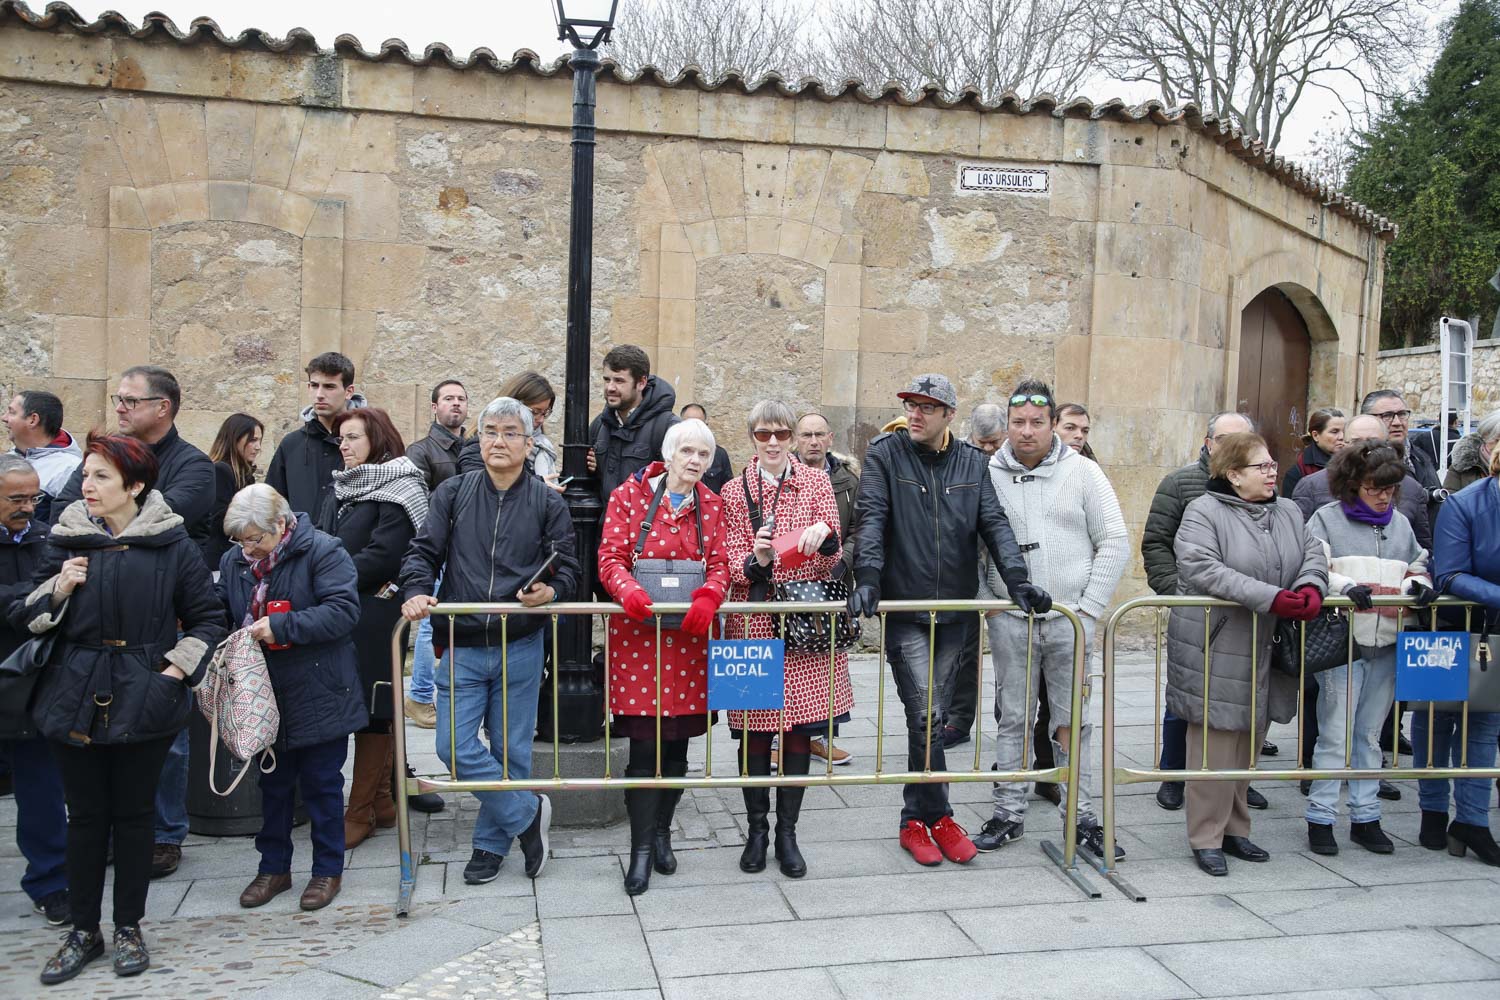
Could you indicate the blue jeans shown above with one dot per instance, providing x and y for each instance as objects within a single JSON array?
[
  {"x": 319, "y": 769},
  {"x": 480, "y": 698},
  {"x": 1470, "y": 795},
  {"x": 420, "y": 686},
  {"x": 171, "y": 793},
  {"x": 41, "y": 818},
  {"x": 1373, "y": 682},
  {"x": 906, "y": 648}
]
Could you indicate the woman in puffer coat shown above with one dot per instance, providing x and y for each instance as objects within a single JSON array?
[
  {"x": 134, "y": 607},
  {"x": 1238, "y": 542},
  {"x": 1372, "y": 551},
  {"x": 688, "y": 525},
  {"x": 1470, "y": 461}
]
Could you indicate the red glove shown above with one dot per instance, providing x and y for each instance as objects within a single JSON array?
[
  {"x": 1287, "y": 604},
  {"x": 1314, "y": 599},
  {"x": 637, "y": 604},
  {"x": 700, "y": 616}
]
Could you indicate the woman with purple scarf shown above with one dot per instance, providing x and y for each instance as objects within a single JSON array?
[{"x": 1372, "y": 551}]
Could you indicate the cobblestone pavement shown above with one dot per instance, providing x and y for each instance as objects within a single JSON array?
[{"x": 865, "y": 922}]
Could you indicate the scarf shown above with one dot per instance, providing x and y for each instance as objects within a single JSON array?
[
  {"x": 1361, "y": 512},
  {"x": 261, "y": 568},
  {"x": 398, "y": 481}
]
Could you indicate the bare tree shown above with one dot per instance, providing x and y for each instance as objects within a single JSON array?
[
  {"x": 752, "y": 37},
  {"x": 1026, "y": 46},
  {"x": 1251, "y": 61},
  {"x": 1332, "y": 152}
]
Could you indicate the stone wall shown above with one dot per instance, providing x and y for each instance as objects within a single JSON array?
[
  {"x": 1417, "y": 372},
  {"x": 229, "y": 212}
]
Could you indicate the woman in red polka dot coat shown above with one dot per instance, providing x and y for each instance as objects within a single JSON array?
[
  {"x": 773, "y": 498},
  {"x": 688, "y": 450}
]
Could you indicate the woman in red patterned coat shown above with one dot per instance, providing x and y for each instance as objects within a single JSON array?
[
  {"x": 773, "y": 498},
  {"x": 688, "y": 524}
]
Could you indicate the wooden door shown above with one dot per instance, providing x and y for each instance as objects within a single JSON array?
[{"x": 1275, "y": 354}]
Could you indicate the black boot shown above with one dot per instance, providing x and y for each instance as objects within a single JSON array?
[
  {"x": 788, "y": 808},
  {"x": 1463, "y": 836},
  {"x": 422, "y": 802},
  {"x": 1434, "y": 835},
  {"x": 642, "y": 805},
  {"x": 757, "y": 806},
  {"x": 665, "y": 860}
]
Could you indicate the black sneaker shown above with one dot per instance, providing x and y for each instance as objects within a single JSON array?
[
  {"x": 1255, "y": 800},
  {"x": 953, "y": 736},
  {"x": 1269, "y": 749},
  {"x": 1403, "y": 745},
  {"x": 1388, "y": 791},
  {"x": 1169, "y": 795},
  {"x": 996, "y": 833},
  {"x": 1371, "y": 837},
  {"x": 482, "y": 867},
  {"x": 1092, "y": 837},
  {"x": 1320, "y": 838},
  {"x": 131, "y": 956},
  {"x": 164, "y": 859},
  {"x": 1304, "y": 786},
  {"x": 78, "y": 949},
  {"x": 54, "y": 906},
  {"x": 534, "y": 838}
]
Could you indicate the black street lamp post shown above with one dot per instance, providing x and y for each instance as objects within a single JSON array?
[{"x": 580, "y": 693}]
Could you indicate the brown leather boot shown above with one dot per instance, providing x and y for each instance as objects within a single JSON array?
[
  {"x": 369, "y": 775},
  {"x": 385, "y": 805},
  {"x": 320, "y": 891},
  {"x": 263, "y": 889}
]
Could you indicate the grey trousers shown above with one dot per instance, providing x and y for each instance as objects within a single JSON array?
[{"x": 1052, "y": 658}]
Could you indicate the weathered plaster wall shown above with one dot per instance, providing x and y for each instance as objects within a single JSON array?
[{"x": 229, "y": 213}]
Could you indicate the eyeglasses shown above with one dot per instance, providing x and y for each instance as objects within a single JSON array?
[
  {"x": 246, "y": 543},
  {"x": 23, "y": 500},
  {"x": 1264, "y": 468},
  {"x": 1379, "y": 491},
  {"x": 1404, "y": 415},
  {"x": 1035, "y": 399},
  {"x": 511, "y": 437},
  {"x": 539, "y": 412},
  {"x": 780, "y": 434},
  {"x": 131, "y": 402},
  {"x": 928, "y": 409}
]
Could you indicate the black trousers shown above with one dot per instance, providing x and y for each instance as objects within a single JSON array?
[{"x": 111, "y": 792}]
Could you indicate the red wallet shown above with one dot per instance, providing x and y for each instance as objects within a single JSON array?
[{"x": 786, "y": 550}]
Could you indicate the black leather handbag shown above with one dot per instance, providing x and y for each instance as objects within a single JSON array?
[
  {"x": 1327, "y": 643},
  {"x": 808, "y": 631},
  {"x": 19, "y": 674}
]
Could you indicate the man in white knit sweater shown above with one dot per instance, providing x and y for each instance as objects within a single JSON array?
[{"x": 1072, "y": 535}]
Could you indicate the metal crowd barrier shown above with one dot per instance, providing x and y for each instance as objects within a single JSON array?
[
  {"x": 1065, "y": 856},
  {"x": 1114, "y": 775}
]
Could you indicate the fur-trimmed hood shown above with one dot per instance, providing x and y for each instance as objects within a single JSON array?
[
  {"x": 156, "y": 524},
  {"x": 1468, "y": 456}
]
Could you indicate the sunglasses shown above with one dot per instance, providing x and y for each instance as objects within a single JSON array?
[
  {"x": 780, "y": 434},
  {"x": 1035, "y": 399}
]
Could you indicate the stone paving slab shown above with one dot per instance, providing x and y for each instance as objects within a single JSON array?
[
  {"x": 786, "y": 983},
  {"x": 596, "y": 954},
  {"x": 1045, "y": 976},
  {"x": 1383, "y": 907},
  {"x": 1109, "y": 923},
  {"x": 760, "y": 899},
  {"x": 408, "y": 951},
  {"x": 948, "y": 888}
]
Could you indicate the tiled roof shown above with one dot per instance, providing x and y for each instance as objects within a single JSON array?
[{"x": 203, "y": 30}]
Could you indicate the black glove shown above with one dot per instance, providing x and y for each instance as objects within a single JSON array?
[
  {"x": 1361, "y": 595},
  {"x": 863, "y": 600},
  {"x": 1031, "y": 599},
  {"x": 1424, "y": 594}
]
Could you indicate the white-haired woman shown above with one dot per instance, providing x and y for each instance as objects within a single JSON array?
[
  {"x": 776, "y": 498},
  {"x": 683, "y": 519},
  {"x": 295, "y": 588}
]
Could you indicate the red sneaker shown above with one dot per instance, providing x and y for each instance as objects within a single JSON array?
[
  {"x": 954, "y": 841},
  {"x": 917, "y": 842}
]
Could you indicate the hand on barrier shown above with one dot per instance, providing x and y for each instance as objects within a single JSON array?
[
  {"x": 1287, "y": 604},
  {"x": 637, "y": 605},
  {"x": 1361, "y": 596},
  {"x": 700, "y": 616},
  {"x": 863, "y": 600},
  {"x": 1031, "y": 599},
  {"x": 1424, "y": 594},
  {"x": 418, "y": 607},
  {"x": 1314, "y": 598}
]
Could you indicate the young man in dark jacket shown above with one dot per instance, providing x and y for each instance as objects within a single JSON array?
[
  {"x": 489, "y": 532},
  {"x": 303, "y": 466},
  {"x": 437, "y": 454},
  {"x": 146, "y": 406},
  {"x": 41, "y": 819},
  {"x": 627, "y": 435},
  {"x": 926, "y": 501}
]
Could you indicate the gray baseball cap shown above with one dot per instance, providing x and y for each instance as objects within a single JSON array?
[{"x": 934, "y": 387}]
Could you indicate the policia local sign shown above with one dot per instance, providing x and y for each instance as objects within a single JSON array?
[{"x": 746, "y": 673}]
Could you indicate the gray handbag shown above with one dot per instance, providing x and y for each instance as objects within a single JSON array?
[
  {"x": 669, "y": 581},
  {"x": 1484, "y": 681}
]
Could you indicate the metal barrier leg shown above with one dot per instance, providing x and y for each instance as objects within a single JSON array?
[
  {"x": 1107, "y": 866},
  {"x": 1066, "y": 858},
  {"x": 403, "y": 812}
]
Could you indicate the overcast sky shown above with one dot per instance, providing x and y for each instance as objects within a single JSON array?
[{"x": 507, "y": 25}]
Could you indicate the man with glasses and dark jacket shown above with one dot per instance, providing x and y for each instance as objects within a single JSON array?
[{"x": 925, "y": 503}]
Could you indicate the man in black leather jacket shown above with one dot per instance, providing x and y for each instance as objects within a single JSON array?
[{"x": 925, "y": 504}]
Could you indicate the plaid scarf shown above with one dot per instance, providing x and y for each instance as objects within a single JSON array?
[
  {"x": 261, "y": 568},
  {"x": 398, "y": 481}
]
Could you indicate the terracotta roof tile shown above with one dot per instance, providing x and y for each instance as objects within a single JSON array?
[{"x": 203, "y": 30}]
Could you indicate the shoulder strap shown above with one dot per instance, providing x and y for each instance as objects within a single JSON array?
[
  {"x": 750, "y": 504},
  {"x": 640, "y": 539}
]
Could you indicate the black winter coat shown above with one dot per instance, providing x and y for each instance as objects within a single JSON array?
[
  {"x": 184, "y": 478},
  {"x": 1311, "y": 459},
  {"x": 316, "y": 680},
  {"x": 719, "y": 472},
  {"x": 1176, "y": 490},
  {"x": 438, "y": 454},
  {"x": 491, "y": 543},
  {"x": 922, "y": 515},
  {"x": 104, "y": 684},
  {"x": 621, "y": 451},
  {"x": 376, "y": 535},
  {"x": 18, "y": 563},
  {"x": 224, "y": 491},
  {"x": 303, "y": 466}
]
